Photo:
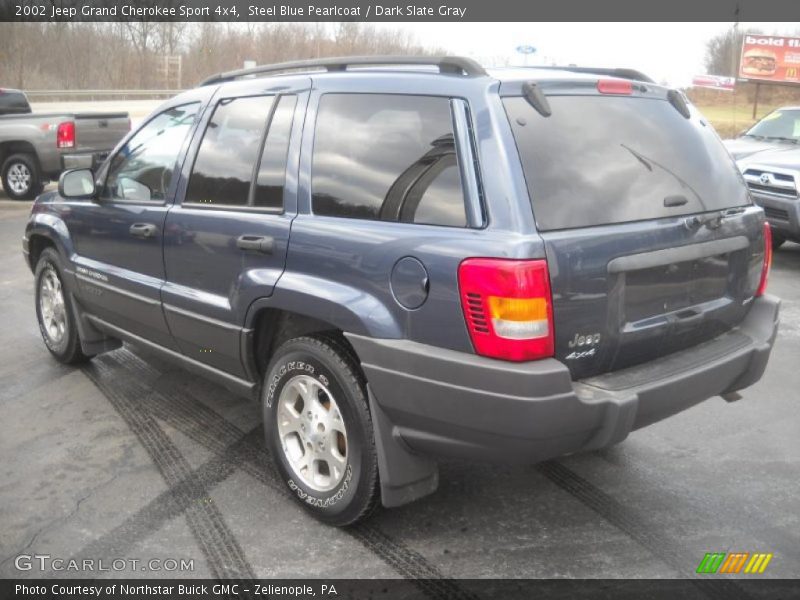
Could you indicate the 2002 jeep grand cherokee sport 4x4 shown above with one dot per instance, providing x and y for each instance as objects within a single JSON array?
[{"x": 410, "y": 263}]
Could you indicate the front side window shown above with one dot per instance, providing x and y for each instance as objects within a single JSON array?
[
  {"x": 387, "y": 157},
  {"x": 143, "y": 169},
  {"x": 223, "y": 169}
]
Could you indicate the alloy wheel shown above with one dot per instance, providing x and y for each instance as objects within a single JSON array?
[
  {"x": 312, "y": 433},
  {"x": 19, "y": 178},
  {"x": 51, "y": 305}
]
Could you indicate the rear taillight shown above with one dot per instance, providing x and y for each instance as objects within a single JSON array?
[
  {"x": 765, "y": 267},
  {"x": 615, "y": 86},
  {"x": 65, "y": 135},
  {"x": 508, "y": 307}
]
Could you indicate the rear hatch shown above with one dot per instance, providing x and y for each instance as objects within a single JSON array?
[
  {"x": 652, "y": 242},
  {"x": 100, "y": 132}
]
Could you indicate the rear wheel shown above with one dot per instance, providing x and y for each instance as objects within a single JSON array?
[
  {"x": 777, "y": 240},
  {"x": 54, "y": 311},
  {"x": 20, "y": 175},
  {"x": 319, "y": 431}
]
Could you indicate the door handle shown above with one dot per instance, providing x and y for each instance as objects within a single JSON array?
[
  {"x": 143, "y": 230},
  {"x": 258, "y": 243}
]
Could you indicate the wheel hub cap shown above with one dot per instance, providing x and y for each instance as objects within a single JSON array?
[
  {"x": 19, "y": 178},
  {"x": 51, "y": 306},
  {"x": 312, "y": 433}
]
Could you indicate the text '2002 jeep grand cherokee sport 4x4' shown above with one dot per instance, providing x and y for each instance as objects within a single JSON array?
[{"x": 403, "y": 264}]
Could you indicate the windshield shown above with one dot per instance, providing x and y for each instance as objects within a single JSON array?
[
  {"x": 610, "y": 159},
  {"x": 780, "y": 125}
]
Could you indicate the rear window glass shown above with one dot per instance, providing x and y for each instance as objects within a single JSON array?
[
  {"x": 598, "y": 160},
  {"x": 13, "y": 103}
]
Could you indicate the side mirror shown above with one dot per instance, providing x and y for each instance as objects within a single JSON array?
[{"x": 77, "y": 184}]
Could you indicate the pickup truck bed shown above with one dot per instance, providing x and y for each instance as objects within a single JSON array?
[{"x": 37, "y": 147}]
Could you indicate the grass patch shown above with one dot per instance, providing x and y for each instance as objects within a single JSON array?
[{"x": 729, "y": 118}]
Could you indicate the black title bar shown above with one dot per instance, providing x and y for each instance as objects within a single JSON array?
[
  {"x": 388, "y": 11},
  {"x": 396, "y": 589}
]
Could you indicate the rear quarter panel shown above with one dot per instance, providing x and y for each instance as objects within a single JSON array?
[
  {"x": 39, "y": 131},
  {"x": 339, "y": 269}
]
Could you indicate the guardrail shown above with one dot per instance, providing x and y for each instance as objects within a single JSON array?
[{"x": 56, "y": 95}]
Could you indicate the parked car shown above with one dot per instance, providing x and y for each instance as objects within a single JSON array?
[
  {"x": 769, "y": 158},
  {"x": 409, "y": 263},
  {"x": 37, "y": 147}
]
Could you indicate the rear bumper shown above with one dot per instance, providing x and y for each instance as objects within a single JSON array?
[
  {"x": 444, "y": 403},
  {"x": 783, "y": 214}
]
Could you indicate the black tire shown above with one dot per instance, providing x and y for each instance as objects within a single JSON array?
[
  {"x": 329, "y": 363},
  {"x": 777, "y": 240},
  {"x": 67, "y": 348},
  {"x": 25, "y": 163}
]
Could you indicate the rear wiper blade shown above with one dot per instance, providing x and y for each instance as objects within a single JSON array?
[{"x": 783, "y": 138}]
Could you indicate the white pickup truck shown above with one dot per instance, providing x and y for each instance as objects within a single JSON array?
[{"x": 37, "y": 147}]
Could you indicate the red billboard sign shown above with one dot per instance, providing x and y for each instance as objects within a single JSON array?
[{"x": 770, "y": 58}]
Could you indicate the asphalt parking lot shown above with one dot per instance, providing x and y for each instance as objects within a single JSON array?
[{"x": 132, "y": 458}]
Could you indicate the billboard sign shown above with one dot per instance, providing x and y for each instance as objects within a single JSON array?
[
  {"x": 715, "y": 82},
  {"x": 770, "y": 58}
]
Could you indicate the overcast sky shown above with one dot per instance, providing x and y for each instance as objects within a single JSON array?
[{"x": 671, "y": 52}]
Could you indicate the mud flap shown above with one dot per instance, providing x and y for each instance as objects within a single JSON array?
[
  {"x": 92, "y": 341},
  {"x": 404, "y": 475}
]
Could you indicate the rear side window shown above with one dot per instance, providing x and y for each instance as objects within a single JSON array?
[
  {"x": 223, "y": 169},
  {"x": 599, "y": 159},
  {"x": 387, "y": 157},
  {"x": 13, "y": 103}
]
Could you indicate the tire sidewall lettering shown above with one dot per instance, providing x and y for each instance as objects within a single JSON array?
[
  {"x": 325, "y": 502},
  {"x": 292, "y": 367}
]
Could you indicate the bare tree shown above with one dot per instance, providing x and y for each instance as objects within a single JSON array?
[
  {"x": 127, "y": 55},
  {"x": 722, "y": 52}
]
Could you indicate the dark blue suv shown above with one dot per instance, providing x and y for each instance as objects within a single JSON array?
[{"x": 410, "y": 258}]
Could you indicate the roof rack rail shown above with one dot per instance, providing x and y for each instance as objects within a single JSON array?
[
  {"x": 456, "y": 65},
  {"x": 612, "y": 72}
]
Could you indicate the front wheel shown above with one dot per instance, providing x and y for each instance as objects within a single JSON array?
[
  {"x": 319, "y": 431},
  {"x": 54, "y": 311}
]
